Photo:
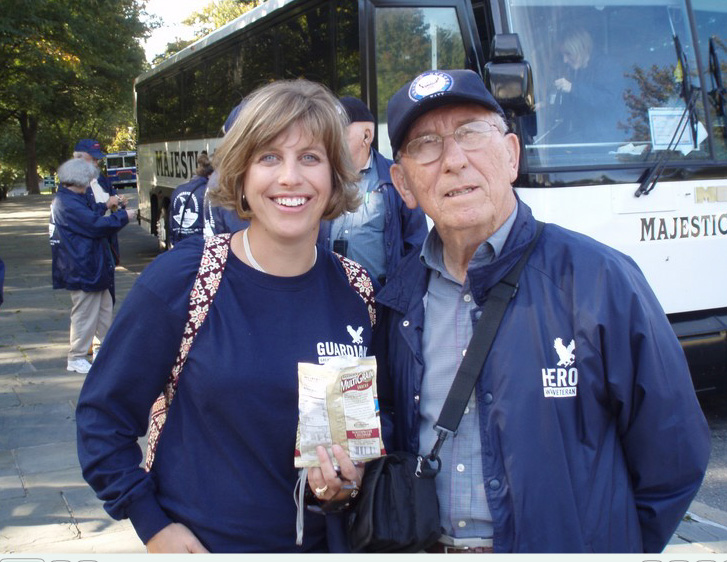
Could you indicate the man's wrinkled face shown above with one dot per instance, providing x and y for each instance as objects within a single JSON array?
[{"x": 463, "y": 188}]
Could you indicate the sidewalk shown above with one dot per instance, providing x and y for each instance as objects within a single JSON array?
[{"x": 45, "y": 505}]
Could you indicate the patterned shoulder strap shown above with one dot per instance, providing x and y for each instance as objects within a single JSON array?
[
  {"x": 209, "y": 275},
  {"x": 360, "y": 280}
]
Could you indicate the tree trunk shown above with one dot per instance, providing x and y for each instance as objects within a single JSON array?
[{"x": 29, "y": 127}]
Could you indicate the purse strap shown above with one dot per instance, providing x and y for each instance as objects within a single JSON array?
[
  {"x": 206, "y": 283},
  {"x": 469, "y": 370}
]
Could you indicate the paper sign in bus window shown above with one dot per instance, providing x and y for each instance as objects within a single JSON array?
[{"x": 663, "y": 122}]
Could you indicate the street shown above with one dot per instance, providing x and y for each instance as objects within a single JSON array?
[
  {"x": 713, "y": 492},
  {"x": 45, "y": 506}
]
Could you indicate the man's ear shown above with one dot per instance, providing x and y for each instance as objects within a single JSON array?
[
  {"x": 398, "y": 178},
  {"x": 369, "y": 133},
  {"x": 513, "y": 149}
]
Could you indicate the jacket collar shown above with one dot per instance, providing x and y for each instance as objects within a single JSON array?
[
  {"x": 483, "y": 278},
  {"x": 409, "y": 282}
]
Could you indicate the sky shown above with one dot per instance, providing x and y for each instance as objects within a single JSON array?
[{"x": 172, "y": 12}]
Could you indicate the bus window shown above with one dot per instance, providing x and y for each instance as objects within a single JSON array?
[
  {"x": 711, "y": 23},
  {"x": 304, "y": 44},
  {"x": 410, "y": 41},
  {"x": 194, "y": 87},
  {"x": 608, "y": 88}
]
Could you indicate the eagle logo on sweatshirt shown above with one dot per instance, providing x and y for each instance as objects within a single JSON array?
[{"x": 355, "y": 334}]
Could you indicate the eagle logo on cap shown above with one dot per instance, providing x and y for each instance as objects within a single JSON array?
[{"x": 430, "y": 83}]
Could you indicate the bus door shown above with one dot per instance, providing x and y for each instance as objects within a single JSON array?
[{"x": 405, "y": 38}]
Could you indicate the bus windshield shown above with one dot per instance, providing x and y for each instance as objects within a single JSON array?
[{"x": 619, "y": 83}]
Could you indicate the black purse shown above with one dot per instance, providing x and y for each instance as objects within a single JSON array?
[{"x": 397, "y": 509}]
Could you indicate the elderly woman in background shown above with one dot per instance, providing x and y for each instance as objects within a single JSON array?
[
  {"x": 223, "y": 477},
  {"x": 82, "y": 259}
]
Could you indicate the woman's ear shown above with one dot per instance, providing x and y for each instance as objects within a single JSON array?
[{"x": 398, "y": 178}]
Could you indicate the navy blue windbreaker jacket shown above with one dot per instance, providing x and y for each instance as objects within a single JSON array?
[
  {"x": 592, "y": 437},
  {"x": 404, "y": 228},
  {"x": 79, "y": 238}
]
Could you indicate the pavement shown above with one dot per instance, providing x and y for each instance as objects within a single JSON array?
[{"x": 45, "y": 505}]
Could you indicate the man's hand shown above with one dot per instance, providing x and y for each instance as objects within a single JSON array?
[
  {"x": 112, "y": 202},
  {"x": 174, "y": 538}
]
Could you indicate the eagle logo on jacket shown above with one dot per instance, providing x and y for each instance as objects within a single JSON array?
[{"x": 565, "y": 354}]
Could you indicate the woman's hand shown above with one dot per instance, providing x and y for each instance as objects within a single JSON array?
[
  {"x": 174, "y": 538},
  {"x": 327, "y": 484}
]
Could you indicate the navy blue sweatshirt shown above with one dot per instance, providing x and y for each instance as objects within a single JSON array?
[{"x": 224, "y": 466}]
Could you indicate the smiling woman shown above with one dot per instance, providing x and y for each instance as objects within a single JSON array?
[
  {"x": 279, "y": 301},
  {"x": 282, "y": 166}
]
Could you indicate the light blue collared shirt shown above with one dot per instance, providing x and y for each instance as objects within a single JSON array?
[
  {"x": 448, "y": 325},
  {"x": 364, "y": 228}
]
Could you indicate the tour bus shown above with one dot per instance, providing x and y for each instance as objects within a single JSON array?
[
  {"x": 121, "y": 168},
  {"x": 619, "y": 106}
]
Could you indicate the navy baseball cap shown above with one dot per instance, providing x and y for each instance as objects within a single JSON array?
[
  {"x": 357, "y": 110},
  {"x": 430, "y": 90},
  {"x": 90, "y": 146}
]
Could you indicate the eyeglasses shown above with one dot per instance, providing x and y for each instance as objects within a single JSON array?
[{"x": 469, "y": 136}]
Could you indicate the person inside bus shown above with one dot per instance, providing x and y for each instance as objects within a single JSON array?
[
  {"x": 82, "y": 261},
  {"x": 589, "y": 96},
  {"x": 223, "y": 476},
  {"x": 186, "y": 207},
  {"x": 382, "y": 230},
  {"x": 100, "y": 188},
  {"x": 583, "y": 433}
]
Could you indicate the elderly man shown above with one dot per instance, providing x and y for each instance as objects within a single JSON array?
[
  {"x": 583, "y": 433},
  {"x": 382, "y": 230}
]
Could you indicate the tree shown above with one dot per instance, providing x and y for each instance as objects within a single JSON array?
[
  {"x": 64, "y": 66},
  {"x": 216, "y": 14},
  {"x": 213, "y": 16}
]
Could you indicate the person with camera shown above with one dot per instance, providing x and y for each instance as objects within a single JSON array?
[{"x": 83, "y": 262}]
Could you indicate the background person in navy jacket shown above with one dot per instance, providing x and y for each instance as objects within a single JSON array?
[
  {"x": 583, "y": 433},
  {"x": 186, "y": 209},
  {"x": 382, "y": 230},
  {"x": 82, "y": 258},
  {"x": 100, "y": 188}
]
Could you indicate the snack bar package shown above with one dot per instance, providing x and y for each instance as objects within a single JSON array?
[{"x": 338, "y": 403}]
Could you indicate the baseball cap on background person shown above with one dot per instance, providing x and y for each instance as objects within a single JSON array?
[
  {"x": 430, "y": 90},
  {"x": 230, "y": 121},
  {"x": 90, "y": 146},
  {"x": 357, "y": 110}
]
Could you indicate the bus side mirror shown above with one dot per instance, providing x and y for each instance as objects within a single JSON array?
[{"x": 508, "y": 76}]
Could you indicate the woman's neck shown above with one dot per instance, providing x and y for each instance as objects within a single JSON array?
[{"x": 282, "y": 259}]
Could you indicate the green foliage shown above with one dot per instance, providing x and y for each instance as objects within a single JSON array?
[
  {"x": 66, "y": 72},
  {"x": 655, "y": 87},
  {"x": 216, "y": 14},
  {"x": 213, "y": 16}
]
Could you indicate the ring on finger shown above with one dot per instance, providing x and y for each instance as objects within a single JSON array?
[{"x": 320, "y": 491}]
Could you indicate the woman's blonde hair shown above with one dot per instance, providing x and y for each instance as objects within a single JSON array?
[
  {"x": 578, "y": 43},
  {"x": 270, "y": 111}
]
